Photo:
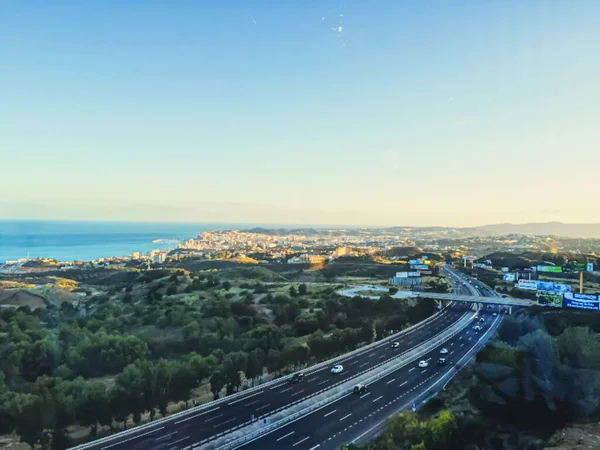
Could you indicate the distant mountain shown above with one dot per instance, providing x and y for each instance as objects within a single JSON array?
[{"x": 570, "y": 230}]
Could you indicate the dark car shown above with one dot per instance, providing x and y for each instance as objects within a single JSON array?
[
  {"x": 360, "y": 389},
  {"x": 442, "y": 362},
  {"x": 297, "y": 377}
]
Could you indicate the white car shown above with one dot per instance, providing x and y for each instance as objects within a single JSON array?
[
  {"x": 395, "y": 344},
  {"x": 444, "y": 351},
  {"x": 423, "y": 363},
  {"x": 337, "y": 369},
  {"x": 495, "y": 314},
  {"x": 477, "y": 328}
]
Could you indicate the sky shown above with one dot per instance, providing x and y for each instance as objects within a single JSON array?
[{"x": 451, "y": 113}]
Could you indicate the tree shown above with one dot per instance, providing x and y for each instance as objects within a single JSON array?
[
  {"x": 233, "y": 365},
  {"x": 255, "y": 364},
  {"x": 217, "y": 382},
  {"x": 293, "y": 291},
  {"x": 302, "y": 289},
  {"x": 274, "y": 361},
  {"x": 93, "y": 406},
  {"x": 171, "y": 290},
  {"x": 226, "y": 285}
]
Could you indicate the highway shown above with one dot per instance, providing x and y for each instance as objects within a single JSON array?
[
  {"x": 356, "y": 418},
  {"x": 198, "y": 424}
]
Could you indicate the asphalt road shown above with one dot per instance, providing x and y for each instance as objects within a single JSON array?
[
  {"x": 354, "y": 417},
  {"x": 179, "y": 432}
]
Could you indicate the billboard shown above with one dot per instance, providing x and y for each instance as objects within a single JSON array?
[
  {"x": 415, "y": 261},
  {"x": 550, "y": 299},
  {"x": 401, "y": 274},
  {"x": 510, "y": 277},
  {"x": 414, "y": 274},
  {"x": 424, "y": 257},
  {"x": 479, "y": 266},
  {"x": 549, "y": 286},
  {"x": 469, "y": 258},
  {"x": 425, "y": 272},
  {"x": 504, "y": 269},
  {"x": 419, "y": 266},
  {"x": 528, "y": 285},
  {"x": 590, "y": 267},
  {"x": 581, "y": 301},
  {"x": 555, "y": 269}
]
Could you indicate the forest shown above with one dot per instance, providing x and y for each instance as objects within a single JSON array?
[{"x": 155, "y": 342}]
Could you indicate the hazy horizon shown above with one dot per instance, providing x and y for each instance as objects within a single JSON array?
[{"x": 359, "y": 114}]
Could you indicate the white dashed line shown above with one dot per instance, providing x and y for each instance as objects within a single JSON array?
[
  {"x": 378, "y": 398},
  {"x": 403, "y": 384},
  {"x": 410, "y": 370},
  {"x": 345, "y": 417},
  {"x": 392, "y": 380},
  {"x": 283, "y": 437},
  {"x": 330, "y": 413}
]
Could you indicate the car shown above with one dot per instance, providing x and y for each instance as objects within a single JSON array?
[
  {"x": 297, "y": 377},
  {"x": 360, "y": 389},
  {"x": 444, "y": 351},
  {"x": 395, "y": 344},
  {"x": 482, "y": 320},
  {"x": 337, "y": 369},
  {"x": 477, "y": 328},
  {"x": 442, "y": 362},
  {"x": 423, "y": 363},
  {"x": 495, "y": 314}
]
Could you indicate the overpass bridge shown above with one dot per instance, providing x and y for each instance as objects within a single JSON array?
[{"x": 505, "y": 301}]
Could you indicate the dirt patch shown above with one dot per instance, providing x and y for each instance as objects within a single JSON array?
[
  {"x": 576, "y": 437},
  {"x": 16, "y": 298},
  {"x": 12, "y": 443}
]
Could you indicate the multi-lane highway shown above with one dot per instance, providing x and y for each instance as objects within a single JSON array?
[
  {"x": 199, "y": 424},
  {"x": 357, "y": 417}
]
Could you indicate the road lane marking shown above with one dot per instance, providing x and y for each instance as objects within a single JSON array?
[
  {"x": 365, "y": 364},
  {"x": 301, "y": 441},
  {"x": 281, "y": 392},
  {"x": 247, "y": 397},
  {"x": 134, "y": 437},
  {"x": 378, "y": 398},
  {"x": 393, "y": 379},
  {"x": 316, "y": 446},
  {"x": 365, "y": 395},
  {"x": 345, "y": 417},
  {"x": 180, "y": 440},
  {"x": 410, "y": 370},
  {"x": 296, "y": 393},
  {"x": 263, "y": 407},
  {"x": 223, "y": 423},
  {"x": 252, "y": 403},
  {"x": 322, "y": 382},
  {"x": 423, "y": 371},
  {"x": 283, "y": 437},
  {"x": 197, "y": 415},
  {"x": 213, "y": 418},
  {"x": 403, "y": 384},
  {"x": 330, "y": 413}
]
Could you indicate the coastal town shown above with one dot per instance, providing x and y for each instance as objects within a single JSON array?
[{"x": 315, "y": 246}]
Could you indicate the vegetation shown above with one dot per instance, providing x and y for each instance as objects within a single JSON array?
[
  {"x": 132, "y": 349},
  {"x": 406, "y": 432}
]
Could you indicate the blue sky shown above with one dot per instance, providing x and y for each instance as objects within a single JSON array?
[{"x": 416, "y": 113}]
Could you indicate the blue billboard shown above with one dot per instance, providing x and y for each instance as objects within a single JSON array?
[
  {"x": 581, "y": 301},
  {"x": 549, "y": 286}
]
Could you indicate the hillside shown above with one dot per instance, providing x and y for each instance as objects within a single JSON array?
[{"x": 570, "y": 230}]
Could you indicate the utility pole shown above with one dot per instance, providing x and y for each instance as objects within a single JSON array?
[{"x": 581, "y": 282}]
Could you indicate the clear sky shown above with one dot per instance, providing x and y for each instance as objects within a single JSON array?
[{"x": 354, "y": 112}]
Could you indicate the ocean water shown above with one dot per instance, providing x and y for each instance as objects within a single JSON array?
[{"x": 84, "y": 241}]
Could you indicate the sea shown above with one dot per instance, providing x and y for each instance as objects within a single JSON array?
[{"x": 86, "y": 241}]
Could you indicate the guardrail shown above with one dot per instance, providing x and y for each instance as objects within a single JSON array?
[
  {"x": 314, "y": 394},
  {"x": 407, "y": 357},
  {"x": 229, "y": 398}
]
